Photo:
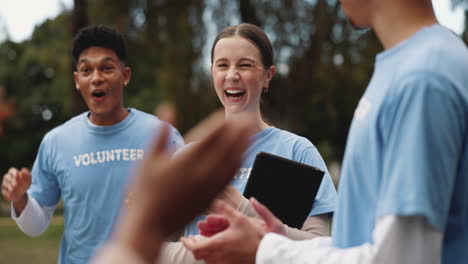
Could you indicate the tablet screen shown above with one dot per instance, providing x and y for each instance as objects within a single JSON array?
[{"x": 288, "y": 188}]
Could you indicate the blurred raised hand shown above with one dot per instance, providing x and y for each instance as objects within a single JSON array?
[{"x": 168, "y": 192}]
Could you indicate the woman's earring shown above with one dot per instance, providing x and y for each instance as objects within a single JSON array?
[{"x": 266, "y": 87}]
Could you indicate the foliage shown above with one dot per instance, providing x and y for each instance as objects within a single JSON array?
[{"x": 36, "y": 74}]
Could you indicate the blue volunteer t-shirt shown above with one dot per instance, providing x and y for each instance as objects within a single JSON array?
[
  {"x": 407, "y": 149},
  {"x": 88, "y": 167},
  {"x": 288, "y": 145}
]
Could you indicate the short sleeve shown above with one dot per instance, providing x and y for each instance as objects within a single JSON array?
[
  {"x": 326, "y": 199},
  {"x": 44, "y": 188},
  {"x": 423, "y": 137}
]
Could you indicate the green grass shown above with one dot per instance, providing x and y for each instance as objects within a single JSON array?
[{"x": 18, "y": 248}]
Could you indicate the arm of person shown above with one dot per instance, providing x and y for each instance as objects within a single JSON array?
[
  {"x": 171, "y": 252},
  {"x": 118, "y": 253},
  {"x": 34, "y": 218},
  {"x": 176, "y": 253},
  {"x": 314, "y": 226},
  {"x": 31, "y": 217},
  {"x": 397, "y": 239}
]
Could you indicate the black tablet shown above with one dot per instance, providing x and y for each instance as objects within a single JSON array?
[{"x": 288, "y": 188}]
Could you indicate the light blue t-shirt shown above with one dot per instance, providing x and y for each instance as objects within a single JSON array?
[
  {"x": 288, "y": 145},
  {"x": 407, "y": 149},
  {"x": 88, "y": 167}
]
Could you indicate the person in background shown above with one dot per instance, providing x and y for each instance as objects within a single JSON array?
[{"x": 86, "y": 161}]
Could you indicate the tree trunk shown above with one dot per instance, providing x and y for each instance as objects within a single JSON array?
[{"x": 79, "y": 20}]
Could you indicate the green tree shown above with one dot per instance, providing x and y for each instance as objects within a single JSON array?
[
  {"x": 36, "y": 72},
  {"x": 79, "y": 20}
]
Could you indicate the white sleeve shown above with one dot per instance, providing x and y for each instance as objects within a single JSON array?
[
  {"x": 34, "y": 219},
  {"x": 397, "y": 239}
]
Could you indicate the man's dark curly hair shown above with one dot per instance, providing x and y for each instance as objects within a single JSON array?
[{"x": 99, "y": 36}]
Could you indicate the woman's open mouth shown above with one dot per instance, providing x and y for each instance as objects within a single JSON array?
[{"x": 234, "y": 93}]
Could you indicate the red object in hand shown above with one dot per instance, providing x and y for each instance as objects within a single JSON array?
[{"x": 212, "y": 225}]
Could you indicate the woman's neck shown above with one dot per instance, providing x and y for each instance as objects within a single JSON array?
[{"x": 256, "y": 119}]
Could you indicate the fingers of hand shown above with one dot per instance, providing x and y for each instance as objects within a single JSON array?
[
  {"x": 262, "y": 211},
  {"x": 210, "y": 123},
  {"x": 161, "y": 140},
  {"x": 10, "y": 183},
  {"x": 227, "y": 211},
  {"x": 6, "y": 192},
  {"x": 211, "y": 163},
  {"x": 225, "y": 145},
  {"x": 213, "y": 225},
  {"x": 272, "y": 223},
  {"x": 189, "y": 242},
  {"x": 157, "y": 157},
  {"x": 13, "y": 171},
  {"x": 222, "y": 153},
  {"x": 10, "y": 175},
  {"x": 237, "y": 141},
  {"x": 194, "y": 245},
  {"x": 216, "y": 219},
  {"x": 203, "y": 248},
  {"x": 24, "y": 176},
  {"x": 18, "y": 179}
]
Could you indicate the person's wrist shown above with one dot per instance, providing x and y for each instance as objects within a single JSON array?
[
  {"x": 240, "y": 203},
  {"x": 21, "y": 198},
  {"x": 20, "y": 203},
  {"x": 142, "y": 239},
  {"x": 237, "y": 198}
]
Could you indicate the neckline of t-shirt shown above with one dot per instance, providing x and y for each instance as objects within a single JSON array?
[
  {"x": 401, "y": 46},
  {"x": 110, "y": 129},
  {"x": 264, "y": 132}
]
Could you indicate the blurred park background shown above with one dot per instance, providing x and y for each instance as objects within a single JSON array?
[{"x": 323, "y": 67}]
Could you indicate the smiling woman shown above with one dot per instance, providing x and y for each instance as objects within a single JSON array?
[
  {"x": 240, "y": 75},
  {"x": 242, "y": 68}
]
